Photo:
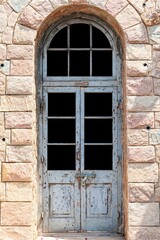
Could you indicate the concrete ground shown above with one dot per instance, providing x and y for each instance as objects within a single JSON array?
[{"x": 83, "y": 236}]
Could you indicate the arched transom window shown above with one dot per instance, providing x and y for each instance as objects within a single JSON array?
[{"x": 80, "y": 49}]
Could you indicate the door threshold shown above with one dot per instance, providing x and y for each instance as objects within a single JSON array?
[{"x": 82, "y": 236}]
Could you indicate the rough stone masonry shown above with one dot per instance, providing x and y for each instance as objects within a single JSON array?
[{"x": 21, "y": 24}]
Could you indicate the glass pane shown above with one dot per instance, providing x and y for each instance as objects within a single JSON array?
[
  {"x": 102, "y": 63},
  {"x": 98, "y": 130},
  {"x": 61, "y": 157},
  {"x": 61, "y": 104},
  {"x": 57, "y": 63},
  {"x": 98, "y": 104},
  {"x": 99, "y": 39},
  {"x": 80, "y": 36},
  {"x": 98, "y": 157},
  {"x": 79, "y": 63},
  {"x": 60, "y": 39},
  {"x": 61, "y": 130}
]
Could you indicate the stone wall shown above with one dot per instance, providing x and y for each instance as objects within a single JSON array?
[{"x": 21, "y": 24}]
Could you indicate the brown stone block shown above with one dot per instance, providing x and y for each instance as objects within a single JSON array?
[
  {"x": 2, "y": 52},
  {"x": 150, "y": 16},
  {"x": 7, "y": 7},
  {"x": 19, "y": 85},
  {"x": 137, "y": 137},
  {"x": 7, "y": 35},
  {"x": 138, "y": 5},
  {"x": 44, "y": 8},
  {"x": 19, "y": 191},
  {"x": 137, "y": 34},
  {"x": 153, "y": 32},
  {"x": 143, "y": 214},
  {"x": 144, "y": 233},
  {"x": 128, "y": 17},
  {"x": 22, "y": 68},
  {"x": 1, "y": 123},
  {"x": 157, "y": 194},
  {"x": 15, "y": 233},
  {"x": 16, "y": 103},
  {"x": 3, "y": 22},
  {"x": 16, "y": 172},
  {"x": 23, "y": 52},
  {"x": 12, "y": 19},
  {"x": 23, "y": 35},
  {"x": 21, "y": 137},
  {"x": 78, "y": 1},
  {"x": 143, "y": 103},
  {"x": 141, "y": 192},
  {"x": 138, "y": 52},
  {"x": 18, "y": 120},
  {"x": 114, "y": 7},
  {"x": 157, "y": 148},
  {"x": 141, "y": 154},
  {"x": 157, "y": 86},
  {"x": 154, "y": 136},
  {"x": 2, "y": 191},
  {"x": 30, "y": 18},
  {"x": 140, "y": 87},
  {"x": 138, "y": 68},
  {"x": 157, "y": 120},
  {"x": 2, "y": 85},
  {"x": 19, "y": 154},
  {"x": 140, "y": 120},
  {"x": 143, "y": 172},
  {"x": 16, "y": 213}
]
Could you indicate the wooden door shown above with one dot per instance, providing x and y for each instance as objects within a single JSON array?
[
  {"x": 80, "y": 159},
  {"x": 99, "y": 159}
]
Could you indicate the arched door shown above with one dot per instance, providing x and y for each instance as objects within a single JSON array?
[{"x": 81, "y": 128}]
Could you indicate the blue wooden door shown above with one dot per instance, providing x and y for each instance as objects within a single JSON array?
[{"x": 80, "y": 152}]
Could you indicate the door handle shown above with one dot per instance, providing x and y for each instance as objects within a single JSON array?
[
  {"x": 83, "y": 175},
  {"x": 84, "y": 179}
]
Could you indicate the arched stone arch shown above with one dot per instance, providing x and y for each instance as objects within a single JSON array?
[{"x": 126, "y": 15}]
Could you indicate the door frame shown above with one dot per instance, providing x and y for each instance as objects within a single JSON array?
[{"x": 116, "y": 80}]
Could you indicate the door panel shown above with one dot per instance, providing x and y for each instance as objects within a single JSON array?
[
  {"x": 80, "y": 171},
  {"x": 61, "y": 202},
  {"x": 99, "y": 200},
  {"x": 64, "y": 198},
  {"x": 61, "y": 139}
]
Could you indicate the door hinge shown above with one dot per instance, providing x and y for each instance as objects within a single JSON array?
[
  {"x": 78, "y": 155},
  {"x": 120, "y": 225},
  {"x": 42, "y": 159},
  {"x": 119, "y": 160},
  {"x": 42, "y": 214},
  {"x": 120, "y": 104},
  {"x": 41, "y": 105}
]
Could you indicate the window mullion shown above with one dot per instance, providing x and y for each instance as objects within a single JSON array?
[
  {"x": 68, "y": 47},
  {"x": 90, "y": 50}
]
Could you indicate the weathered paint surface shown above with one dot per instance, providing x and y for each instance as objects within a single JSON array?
[{"x": 81, "y": 200}]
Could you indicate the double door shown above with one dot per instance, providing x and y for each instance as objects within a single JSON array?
[{"x": 80, "y": 159}]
